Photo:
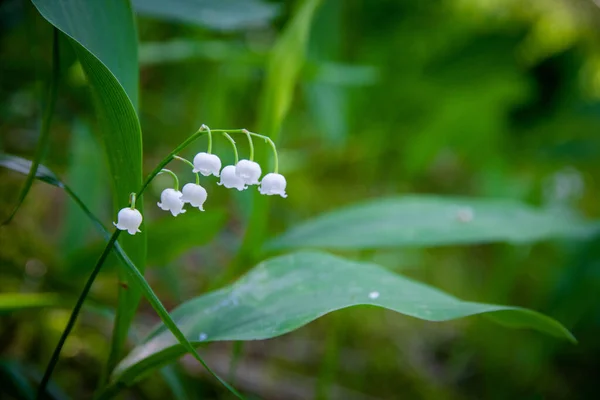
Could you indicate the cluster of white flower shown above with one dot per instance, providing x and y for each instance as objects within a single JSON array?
[{"x": 240, "y": 176}]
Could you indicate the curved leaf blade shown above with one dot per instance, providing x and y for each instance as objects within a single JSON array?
[
  {"x": 104, "y": 38},
  {"x": 430, "y": 221},
  {"x": 287, "y": 292}
]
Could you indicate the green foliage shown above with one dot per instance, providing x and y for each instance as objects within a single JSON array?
[
  {"x": 225, "y": 15},
  {"x": 431, "y": 221},
  {"x": 452, "y": 142},
  {"x": 282, "y": 294},
  {"x": 20, "y": 301},
  {"x": 109, "y": 59}
]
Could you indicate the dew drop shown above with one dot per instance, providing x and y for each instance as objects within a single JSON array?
[
  {"x": 202, "y": 336},
  {"x": 373, "y": 295},
  {"x": 465, "y": 214}
]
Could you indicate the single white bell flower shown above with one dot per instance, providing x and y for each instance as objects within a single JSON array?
[
  {"x": 248, "y": 171},
  {"x": 207, "y": 164},
  {"x": 129, "y": 219},
  {"x": 230, "y": 180},
  {"x": 273, "y": 184},
  {"x": 170, "y": 200},
  {"x": 194, "y": 194}
]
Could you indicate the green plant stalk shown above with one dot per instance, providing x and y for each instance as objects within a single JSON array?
[
  {"x": 250, "y": 144},
  {"x": 175, "y": 178},
  {"x": 45, "y": 127},
  {"x": 135, "y": 274},
  {"x": 235, "y": 151},
  {"x": 191, "y": 164}
]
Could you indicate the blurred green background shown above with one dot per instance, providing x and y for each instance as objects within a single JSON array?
[{"x": 462, "y": 97}]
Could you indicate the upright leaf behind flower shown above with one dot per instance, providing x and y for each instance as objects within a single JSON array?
[
  {"x": 285, "y": 63},
  {"x": 104, "y": 37}
]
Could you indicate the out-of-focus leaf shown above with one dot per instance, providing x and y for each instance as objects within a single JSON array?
[
  {"x": 431, "y": 221},
  {"x": 14, "y": 382},
  {"x": 20, "y": 301},
  {"x": 283, "y": 69},
  {"x": 105, "y": 40},
  {"x": 287, "y": 292},
  {"x": 171, "y": 237},
  {"x": 23, "y": 166},
  {"x": 224, "y": 15}
]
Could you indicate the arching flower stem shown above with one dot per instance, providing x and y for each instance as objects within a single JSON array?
[
  {"x": 250, "y": 143},
  {"x": 235, "y": 152},
  {"x": 209, "y": 150},
  {"x": 132, "y": 198},
  {"x": 191, "y": 164},
  {"x": 175, "y": 178}
]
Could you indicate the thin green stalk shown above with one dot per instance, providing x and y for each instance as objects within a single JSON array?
[
  {"x": 236, "y": 355},
  {"x": 44, "y": 129},
  {"x": 273, "y": 147},
  {"x": 173, "y": 174},
  {"x": 251, "y": 144},
  {"x": 235, "y": 151},
  {"x": 209, "y": 151},
  {"x": 191, "y": 164},
  {"x": 75, "y": 313}
]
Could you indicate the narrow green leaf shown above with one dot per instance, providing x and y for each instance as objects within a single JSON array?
[
  {"x": 430, "y": 221},
  {"x": 20, "y": 301},
  {"x": 287, "y": 292},
  {"x": 50, "y": 102},
  {"x": 104, "y": 38},
  {"x": 225, "y": 15},
  {"x": 283, "y": 70}
]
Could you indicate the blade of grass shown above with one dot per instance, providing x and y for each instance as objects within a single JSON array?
[
  {"x": 283, "y": 69},
  {"x": 44, "y": 129}
]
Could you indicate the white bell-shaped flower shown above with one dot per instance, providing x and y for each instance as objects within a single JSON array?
[
  {"x": 129, "y": 220},
  {"x": 194, "y": 194},
  {"x": 230, "y": 180},
  {"x": 248, "y": 171},
  {"x": 273, "y": 184},
  {"x": 207, "y": 164},
  {"x": 170, "y": 200}
]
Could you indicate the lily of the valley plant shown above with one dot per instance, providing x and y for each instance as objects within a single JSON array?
[{"x": 240, "y": 176}]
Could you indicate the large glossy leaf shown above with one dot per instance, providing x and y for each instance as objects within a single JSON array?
[
  {"x": 104, "y": 38},
  {"x": 430, "y": 221},
  {"x": 287, "y": 292},
  {"x": 223, "y": 15}
]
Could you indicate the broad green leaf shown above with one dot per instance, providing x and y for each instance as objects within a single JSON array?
[
  {"x": 430, "y": 221},
  {"x": 20, "y": 301},
  {"x": 104, "y": 38},
  {"x": 225, "y": 15},
  {"x": 287, "y": 292}
]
